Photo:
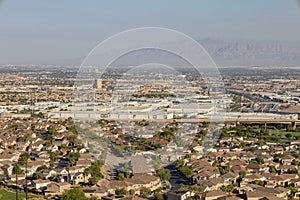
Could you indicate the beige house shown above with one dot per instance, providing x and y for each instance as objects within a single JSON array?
[
  {"x": 54, "y": 188},
  {"x": 214, "y": 194},
  {"x": 95, "y": 191},
  {"x": 135, "y": 183},
  {"x": 80, "y": 177},
  {"x": 180, "y": 194},
  {"x": 40, "y": 184}
]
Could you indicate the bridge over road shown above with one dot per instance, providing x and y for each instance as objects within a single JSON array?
[{"x": 235, "y": 121}]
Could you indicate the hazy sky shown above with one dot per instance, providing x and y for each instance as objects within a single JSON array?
[{"x": 56, "y": 31}]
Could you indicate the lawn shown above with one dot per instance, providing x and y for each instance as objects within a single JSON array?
[
  {"x": 283, "y": 133},
  {"x": 4, "y": 194},
  {"x": 8, "y": 195}
]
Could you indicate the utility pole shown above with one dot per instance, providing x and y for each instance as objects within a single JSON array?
[
  {"x": 17, "y": 195},
  {"x": 26, "y": 180}
]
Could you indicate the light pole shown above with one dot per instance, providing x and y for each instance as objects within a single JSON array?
[
  {"x": 26, "y": 179},
  {"x": 17, "y": 195}
]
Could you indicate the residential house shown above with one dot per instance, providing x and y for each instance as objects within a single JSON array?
[
  {"x": 213, "y": 195},
  {"x": 180, "y": 194},
  {"x": 54, "y": 188},
  {"x": 40, "y": 184}
]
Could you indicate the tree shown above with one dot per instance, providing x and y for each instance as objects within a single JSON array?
[
  {"x": 163, "y": 174},
  {"x": 145, "y": 192},
  {"x": 293, "y": 191},
  {"x": 259, "y": 182},
  {"x": 120, "y": 191},
  {"x": 93, "y": 180},
  {"x": 53, "y": 177},
  {"x": 295, "y": 155},
  {"x": 228, "y": 188},
  {"x": 186, "y": 170},
  {"x": 295, "y": 162},
  {"x": 131, "y": 192},
  {"x": 223, "y": 188},
  {"x": 224, "y": 169},
  {"x": 40, "y": 168},
  {"x": 242, "y": 174},
  {"x": 159, "y": 196},
  {"x": 49, "y": 137},
  {"x": 17, "y": 169},
  {"x": 277, "y": 157},
  {"x": 37, "y": 175},
  {"x": 288, "y": 135},
  {"x": 253, "y": 149},
  {"x": 272, "y": 169},
  {"x": 179, "y": 163},
  {"x": 73, "y": 158},
  {"x": 127, "y": 174},
  {"x": 52, "y": 131},
  {"x": 95, "y": 172},
  {"x": 121, "y": 177},
  {"x": 257, "y": 160},
  {"x": 73, "y": 194},
  {"x": 141, "y": 148},
  {"x": 293, "y": 171},
  {"x": 73, "y": 138},
  {"x": 24, "y": 158}
]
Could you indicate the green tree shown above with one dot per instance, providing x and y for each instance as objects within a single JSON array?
[
  {"x": 93, "y": 180},
  {"x": 293, "y": 171},
  {"x": 272, "y": 169},
  {"x": 127, "y": 174},
  {"x": 120, "y": 191},
  {"x": 131, "y": 192},
  {"x": 52, "y": 131},
  {"x": 288, "y": 135},
  {"x": 293, "y": 192},
  {"x": 121, "y": 177},
  {"x": 141, "y": 148},
  {"x": 73, "y": 194},
  {"x": 159, "y": 196},
  {"x": 73, "y": 158},
  {"x": 227, "y": 188},
  {"x": 37, "y": 175},
  {"x": 179, "y": 163},
  {"x": 230, "y": 188},
  {"x": 186, "y": 170},
  {"x": 257, "y": 160},
  {"x": 145, "y": 192},
  {"x": 242, "y": 174},
  {"x": 17, "y": 169},
  {"x": 277, "y": 157},
  {"x": 163, "y": 174},
  {"x": 49, "y": 137},
  {"x": 95, "y": 173},
  {"x": 40, "y": 168},
  {"x": 223, "y": 188},
  {"x": 259, "y": 182},
  {"x": 24, "y": 158},
  {"x": 295, "y": 162}
]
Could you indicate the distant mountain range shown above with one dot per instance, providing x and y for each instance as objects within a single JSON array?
[
  {"x": 228, "y": 53},
  {"x": 253, "y": 53}
]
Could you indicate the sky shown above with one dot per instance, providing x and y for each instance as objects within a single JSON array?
[{"x": 64, "y": 32}]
